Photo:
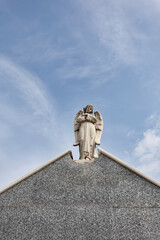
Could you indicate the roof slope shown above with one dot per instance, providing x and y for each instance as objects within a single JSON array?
[
  {"x": 36, "y": 170},
  {"x": 128, "y": 166}
]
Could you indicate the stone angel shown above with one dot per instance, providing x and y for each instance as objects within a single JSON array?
[{"x": 88, "y": 130}]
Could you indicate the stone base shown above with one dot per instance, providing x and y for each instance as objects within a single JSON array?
[{"x": 84, "y": 161}]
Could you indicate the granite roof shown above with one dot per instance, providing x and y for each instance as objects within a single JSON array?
[{"x": 100, "y": 151}]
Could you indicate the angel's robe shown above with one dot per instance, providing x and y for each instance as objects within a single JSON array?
[{"x": 87, "y": 135}]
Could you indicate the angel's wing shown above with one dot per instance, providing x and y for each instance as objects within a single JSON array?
[
  {"x": 99, "y": 127},
  {"x": 76, "y": 128},
  {"x": 76, "y": 124}
]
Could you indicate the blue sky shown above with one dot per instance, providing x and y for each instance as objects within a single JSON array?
[{"x": 58, "y": 56}]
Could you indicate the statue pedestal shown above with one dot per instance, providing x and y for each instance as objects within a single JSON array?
[{"x": 84, "y": 161}]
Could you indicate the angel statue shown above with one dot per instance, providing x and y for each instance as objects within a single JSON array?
[{"x": 88, "y": 130}]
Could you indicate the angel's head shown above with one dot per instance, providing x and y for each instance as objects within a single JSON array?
[{"x": 88, "y": 109}]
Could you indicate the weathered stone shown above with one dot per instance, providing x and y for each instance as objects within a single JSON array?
[{"x": 88, "y": 130}]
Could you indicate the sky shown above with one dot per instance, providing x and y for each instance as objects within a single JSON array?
[{"x": 58, "y": 56}]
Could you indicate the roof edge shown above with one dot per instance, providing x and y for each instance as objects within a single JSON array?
[
  {"x": 100, "y": 150},
  {"x": 35, "y": 171}
]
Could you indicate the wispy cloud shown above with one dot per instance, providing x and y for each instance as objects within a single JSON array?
[
  {"x": 28, "y": 84},
  {"x": 116, "y": 38},
  {"x": 115, "y": 26},
  {"x": 40, "y": 47},
  {"x": 24, "y": 104},
  {"x": 124, "y": 28},
  {"x": 111, "y": 23},
  {"x": 31, "y": 132},
  {"x": 93, "y": 69},
  {"x": 77, "y": 61},
  {"x": 113, "y": 34}
]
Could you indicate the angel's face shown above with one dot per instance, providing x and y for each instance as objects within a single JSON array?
[{"x": 89, "y": 109}]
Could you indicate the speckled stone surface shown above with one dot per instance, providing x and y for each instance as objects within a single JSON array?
[{"x": 91, "y": 201}]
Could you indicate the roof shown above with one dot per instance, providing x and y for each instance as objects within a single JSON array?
[
  {"x": 100, "y": 151},
  {"x": 36, "y": 170}
]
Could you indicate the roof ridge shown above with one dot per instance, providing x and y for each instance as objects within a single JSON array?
[{"x": 100, "y": 150}]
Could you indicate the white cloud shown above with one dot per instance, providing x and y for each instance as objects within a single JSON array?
[
  {"x": 149, "y": 147},
  {"x": 147, "y": 150}
]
